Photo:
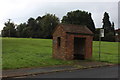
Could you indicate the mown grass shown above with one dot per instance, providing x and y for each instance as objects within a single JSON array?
[
  {"x": 109, "y": 52},
  {"x": 28, "y": 52},
  {"x": 21, "y": 53}
]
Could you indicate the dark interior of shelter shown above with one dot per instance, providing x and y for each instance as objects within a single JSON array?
[{"x": 79, "y": 48}]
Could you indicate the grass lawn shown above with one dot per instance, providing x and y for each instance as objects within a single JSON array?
[
  {"x": 109, "y": 51},
  {"x": 27, "y": 52}
]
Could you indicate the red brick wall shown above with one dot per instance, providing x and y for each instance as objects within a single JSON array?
[
  {"x": 59, "y": 52},
  {"x": 70, "y": 46},
  {"x": 88, "y": 47},
  {"x": 66, "y": 49}
]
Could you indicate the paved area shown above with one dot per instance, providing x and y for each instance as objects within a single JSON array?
[
  {"x": 31, "y": 71},
  {"x": 102, "y": 72}
]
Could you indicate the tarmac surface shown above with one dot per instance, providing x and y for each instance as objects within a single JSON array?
[
  {"x": 43, "y": 70},
  {"x": 102, "y": 72}
]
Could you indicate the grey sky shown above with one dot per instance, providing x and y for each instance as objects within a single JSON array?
[{"x": 20, "y": 12}]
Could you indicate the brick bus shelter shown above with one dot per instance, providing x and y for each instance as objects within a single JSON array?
[{"x": 72, "y": 42}]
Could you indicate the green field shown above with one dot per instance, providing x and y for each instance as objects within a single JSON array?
[
  {"x": 109, "y": 51},
  {"x": 28, "y": 52}
]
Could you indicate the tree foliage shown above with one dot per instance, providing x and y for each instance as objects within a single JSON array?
[
  {"x": 41, "y": 27},
  {"x": 97, "y": 34},
  {"x": 22, "y": 30},
  {"x": 80, "y": 18},
  {"x": 108, "y": 28},
  {"x": 9, "y": 30},
  {"x": 49, "y": 22}
]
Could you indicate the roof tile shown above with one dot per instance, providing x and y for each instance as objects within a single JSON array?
[{"x": 71, "y": 28}]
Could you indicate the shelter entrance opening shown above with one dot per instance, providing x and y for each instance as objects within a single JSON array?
[{"x": 79, "y": 48}]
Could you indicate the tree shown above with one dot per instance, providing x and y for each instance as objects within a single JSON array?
[
  {"x": 108, "y": 28},
  {"x": 90, "y": 23},
  {"x": 97, "y": 34},
  {"x": 31, "y": 24},
  {"x": 9, "y": 29},
  {"x": 113, "y": 28},
  {"x": 30, "y": 29},
  {"x": 80, "y": 18},
  {"x": 106, "y": 23},
  {"x": 21, "y": 30},
  {"x": 39, "y": 31},
  {"x": 34, "y": 27},
  {"x": 41, "y": 27},
  {"x": 49, "y": 22}
]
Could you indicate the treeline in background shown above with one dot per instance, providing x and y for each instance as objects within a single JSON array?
[{"x": 43, "y": 26}]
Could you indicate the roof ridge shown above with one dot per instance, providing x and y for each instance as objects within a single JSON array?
[{"x": 76, "y": 28}]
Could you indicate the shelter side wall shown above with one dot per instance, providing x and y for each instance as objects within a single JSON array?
[
  {"x": 89, "y": 47},
  {"x": 59, "y": 51},
  {"x": 70, "y": 46}
]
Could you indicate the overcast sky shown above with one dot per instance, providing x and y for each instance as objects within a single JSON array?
[{"x": 20, "y": 10}]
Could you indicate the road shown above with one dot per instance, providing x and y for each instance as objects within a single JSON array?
[{"x": 101, "y": 72}]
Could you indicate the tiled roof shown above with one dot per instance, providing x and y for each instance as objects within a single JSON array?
[{"x": 70, "y": 28}]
